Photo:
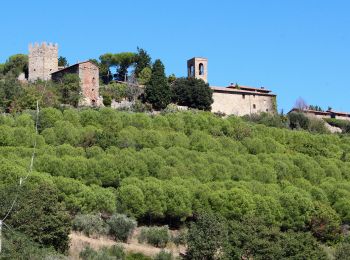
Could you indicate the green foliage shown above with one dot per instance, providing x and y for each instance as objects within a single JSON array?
[
  {"x": 156, "y": 236},
  {"x": 121, "y": 227},
  {"x": 157, "y": 91},
  {"x": 273, "y": 120},
  {"x": 207, "y": 238},
  {"x": 39, "y": 214},
  {"x": 193, "y": 93},
  {"x": 142, "y": 61},
  {"x": 252, "y": 239},
  {"x": 298, "y": 120},
  {"x": 69, "y": 89},
  {"x": 325, "y": 223},
  {"x": 18, "y": 246},
  {"x": 113, "y": 90},
  {"x": 131, "y": 201},
  {"x": 90, "y": 225},
  {"x": 342, "y": 251},
  {"x": 121, "y": 60},
  {"x": 144, "y": 76},
  {"x": 170, "y": 167},
  {"x": 343, "y": 124},
  {"x": 15, "y": 65},
  {"x": 113, "y": 252},
  {"x": 62, "y": 61},
  {"x": 163, "y": 255}
]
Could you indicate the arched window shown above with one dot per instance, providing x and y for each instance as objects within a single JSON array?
[
  {"x": 191, "y": 71},
  {"x": 201, "y": 69}
]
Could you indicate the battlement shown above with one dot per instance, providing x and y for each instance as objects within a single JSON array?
[{"x": 43, "y": 45}]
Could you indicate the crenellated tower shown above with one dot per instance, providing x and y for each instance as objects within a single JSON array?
[{"x": 43, "y": 60}]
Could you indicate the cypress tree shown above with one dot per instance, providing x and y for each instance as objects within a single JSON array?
[{"x": 157, "y": 91}]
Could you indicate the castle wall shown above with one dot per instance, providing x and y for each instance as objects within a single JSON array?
[
  {"x": 43, "y": 60},
  {"x": 242, "y": 104}
]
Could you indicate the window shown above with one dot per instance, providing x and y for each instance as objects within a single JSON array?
[
  {"x": 191, "y": 71},
  {"x": 201, "y": 69},
  {"x": 253, "y": 96},
  {"x": 267, "y": 110},
  {"x": 254, "y": 106},
  {"x": 243, "y": 96},
  {"x": 92, "y": 90}
]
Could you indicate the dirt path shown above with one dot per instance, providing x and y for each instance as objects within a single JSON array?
[{"x": 79, "y": 241}]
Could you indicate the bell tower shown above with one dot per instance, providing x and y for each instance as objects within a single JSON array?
[{"x": 197, "y": 67}]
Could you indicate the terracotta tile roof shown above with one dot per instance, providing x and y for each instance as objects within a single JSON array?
[
  {"x": 72, "y": 66},
  {"x": 325, "y": 113},
  {"x": 241, "y": 91},
  {"x": 249, "y": 88}
]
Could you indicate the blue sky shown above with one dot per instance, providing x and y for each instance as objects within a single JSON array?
[{"x": 297, "y": 48}]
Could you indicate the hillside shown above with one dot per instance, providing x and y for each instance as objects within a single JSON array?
[{"x": 293, "y": 186}]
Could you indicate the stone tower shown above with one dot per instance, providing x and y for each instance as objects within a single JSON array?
[
  {"x": 198, "y": 68},
  {"x": 43, "y": 60}
]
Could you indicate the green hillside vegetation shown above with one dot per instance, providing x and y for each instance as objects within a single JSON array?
[{"x": 173, "y": 167}]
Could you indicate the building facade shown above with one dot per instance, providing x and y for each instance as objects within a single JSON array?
[
  {"x": 43, "y": 60},
  {"x": 240, "y": 101},
  {"x": 234, "y": 99},
  {"x": 323, "y": 114},
  {"x": 197, "y": 67},
  {"x": 89, "y": 81},
  {"x": 43, "y": 65}
]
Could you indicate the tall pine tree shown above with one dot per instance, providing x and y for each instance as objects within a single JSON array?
[
  {"x": 142, "y": 60},
  {"x": 157, "y": 91}
]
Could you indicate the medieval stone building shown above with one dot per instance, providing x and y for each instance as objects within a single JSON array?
[
  {"x": 43, "y": 65},
  {"x": 89, "y": 81},
  {"x": 43, "y": 60},
  {"x": 234, "y": 99}
]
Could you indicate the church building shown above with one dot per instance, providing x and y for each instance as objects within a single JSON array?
[{"x": 233, "y": 99}]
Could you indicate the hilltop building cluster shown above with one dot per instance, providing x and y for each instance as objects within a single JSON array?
[
  {"x": 324, "y": 114},
  {"x": 231, "y": 100},
  {"x": 43, "y": 65}
]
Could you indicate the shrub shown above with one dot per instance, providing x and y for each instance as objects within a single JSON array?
[
  {"x": 137, "y": 256},
  {"x": 180, "y": 238},
  {"x": 317, "y": 126},
  {"x": 267, "y": 119},
  {"x": 90, "y": 225},
  {"x": 342, "y": 251},
  {"x": 298, "y": 120},
  {"x": 163, "y": 255},
  {"x": 121, "y": 227},
  {"x": 114, "y": 252},
  {"x": 343, "y": 124},
  {"x": 156, "y": 236}
]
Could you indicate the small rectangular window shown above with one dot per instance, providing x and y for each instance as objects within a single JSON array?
[
  {"x": 254, "y": 106},
  {"x": 243, "y": 96}
]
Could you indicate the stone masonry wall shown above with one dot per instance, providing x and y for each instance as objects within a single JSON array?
[
  {"x": 43, "y": 60},
  {"x": 242, "y": 104}
]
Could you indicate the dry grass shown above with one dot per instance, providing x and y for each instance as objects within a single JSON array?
[{"x": 80, "y": 241}]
